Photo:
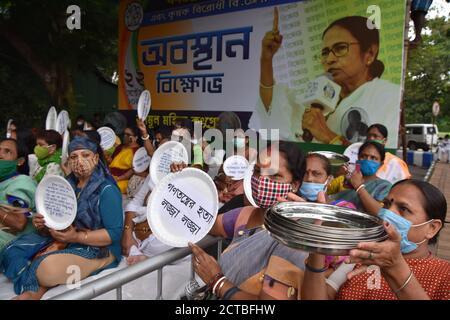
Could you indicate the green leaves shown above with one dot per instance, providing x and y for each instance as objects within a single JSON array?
[{"x": 427, "y": 78}]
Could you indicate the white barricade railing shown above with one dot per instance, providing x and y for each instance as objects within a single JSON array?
[{"x": 116, "y": 280}]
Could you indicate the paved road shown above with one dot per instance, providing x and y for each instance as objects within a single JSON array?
[{"x": 417, "y": 172}]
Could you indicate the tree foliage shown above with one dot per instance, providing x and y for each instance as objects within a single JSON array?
[
  {"x": 35, "y": 33},
  {"x": 427, "y": 76}
]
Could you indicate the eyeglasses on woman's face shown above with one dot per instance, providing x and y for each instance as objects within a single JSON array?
[{"x": 339, "y": 49}]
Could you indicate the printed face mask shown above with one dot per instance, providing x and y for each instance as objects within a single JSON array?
[
  {"x": 266, "y": 191},
  {"x": 83, "y": 167}
]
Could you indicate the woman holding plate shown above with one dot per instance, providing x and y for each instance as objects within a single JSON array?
[
  {"x": 91, "y": 243},
  {"x": 271, "y": 269},
  {"x": 401, "y": 267}
]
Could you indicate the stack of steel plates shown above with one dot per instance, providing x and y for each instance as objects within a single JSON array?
[
  {"x": 322, "y": 228},
  {"x": 336, "y": 160}
]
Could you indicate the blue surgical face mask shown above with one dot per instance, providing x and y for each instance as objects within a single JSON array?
[
  {"x": 402, "y": 225},
  {"x": 310, "y": 190},
  {"x": 239, "y": 142},
  {"x": 368, "y": 167}
]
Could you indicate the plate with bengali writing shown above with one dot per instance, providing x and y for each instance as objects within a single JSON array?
[
  {"x": 183, "y": 207},
  {"x": 141, "y": 160},
  {"x": 56, "y": 201},
  {"x": 144, "y": 104},
  {"x": 107, "y": 137},
  {"x": 62, "y": 122},
  {"x": 235, "y": 167},
  {"x": 164, "y": 156}
]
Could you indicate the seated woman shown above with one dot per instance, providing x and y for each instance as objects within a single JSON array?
[
  {"x": 317, "y": 176},
  {"x": 48, "y": 154},
  {"x": 271, "y": 270},
  {"x": 93, "y": 241},
  {"x": 137, "y": 239},
  {"x": 121, "y": 161},
  {"x": 368, "y": 191},
  {"x": 16, "y": 193},
  {"x": 226, "y": 186},
  {"x": 315, "y": 181},
  {"x": 414, "y": 213}
]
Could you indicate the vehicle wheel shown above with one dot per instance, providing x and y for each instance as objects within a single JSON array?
[{"x": 412, "y": 145}]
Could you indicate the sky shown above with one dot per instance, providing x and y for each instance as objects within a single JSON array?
[{"x": 439, "y": 8}]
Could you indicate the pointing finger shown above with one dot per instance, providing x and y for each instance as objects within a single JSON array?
[{"x": 275, "y": 19}]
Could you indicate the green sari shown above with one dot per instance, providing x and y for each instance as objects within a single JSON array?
[{"x": 378, "y": 189}]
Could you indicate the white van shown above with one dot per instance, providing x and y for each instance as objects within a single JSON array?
[{"x": 421, "y": 136}]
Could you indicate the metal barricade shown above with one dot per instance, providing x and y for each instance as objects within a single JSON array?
[{"x": 121, "y": 277}]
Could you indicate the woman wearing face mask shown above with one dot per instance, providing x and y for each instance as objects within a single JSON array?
[
  {"x": 315, "y": 181},
  {"x": 255, "y": 266},
  {"x": 368, "y": 190},
  {"x": 92, "y": 242},
  {"x": 393, "y": 169},
  {"x": 316, "y": 178},
  {"x": 350, "y": 54},
  {"x": 414, "y": 213},
  {"x": 48, "y": 154},
  {"x": 16, "y": 193},
  {"x": 121, "y": 165},
  {"x": 226, "y": 186}
]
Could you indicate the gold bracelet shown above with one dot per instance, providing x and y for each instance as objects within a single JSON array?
[
  {"x": 335, "y": 139},
  {"x": 408, "y": 280}
]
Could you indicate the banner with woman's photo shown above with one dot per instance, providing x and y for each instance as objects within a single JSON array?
[{"x": 319, "y": 71}]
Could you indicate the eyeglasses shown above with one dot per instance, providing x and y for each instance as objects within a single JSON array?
[{"x": 339, "y": 49}]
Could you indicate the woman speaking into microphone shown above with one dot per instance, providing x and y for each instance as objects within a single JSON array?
[{"x": 350, "y": 47}]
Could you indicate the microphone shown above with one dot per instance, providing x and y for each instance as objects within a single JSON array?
[{"x": 322, "y": 93}]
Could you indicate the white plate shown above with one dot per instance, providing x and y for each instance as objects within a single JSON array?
[
  {"x": 56, "y": 201},
  {"x": 235, "y": 167},
  {"x": 171, "y": 151},
  {"x": 62, "y": 122},
  {"x": 8, "y": 128},
  {"x": 107, "y": 137},
  {"x": 141, "y": 160},
  {"x": 65, "y": 146},
  {"x": 144, "y": 104},
  {"x": 51, "y": 120},
  {"x": 177, "y": 212},
  {"x": 248, "y": 185},
  {"x": 352, "y": 151}
]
